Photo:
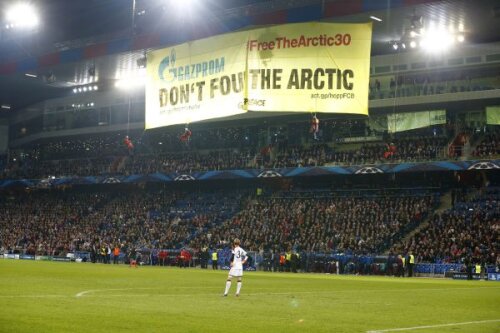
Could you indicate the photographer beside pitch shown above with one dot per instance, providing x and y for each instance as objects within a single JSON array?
[{"x": 238, "y": 259}]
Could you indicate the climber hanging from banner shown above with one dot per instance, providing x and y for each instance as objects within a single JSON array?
[
  {"x": 129, "y": 144},
  {"x": 186, "y": 136},
  {"x": 390, "y": 150},
  {"x": 314, "y": 127}
]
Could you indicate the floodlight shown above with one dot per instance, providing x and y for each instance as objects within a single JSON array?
[
  {"x": 22, "y": 15},
  {"x": 437, "y": 41},
  {"x": 460, "y": 38},
  {"x": 395, "y": 46},
  {"x": 130, "y": 83},
  {"x": 413, "y": 44}
]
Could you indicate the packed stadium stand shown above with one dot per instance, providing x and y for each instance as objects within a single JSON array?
[
  {"x": 58, "y": 222},
  {"x": 469, "y": 228},
  {"x": 81, "y": 167}
]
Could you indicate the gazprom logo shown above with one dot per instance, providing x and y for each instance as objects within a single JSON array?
[
  {"x": 167, "y": 62},
  {"x": 167, "y": 71}
]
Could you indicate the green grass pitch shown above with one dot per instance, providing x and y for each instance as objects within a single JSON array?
[{"x": 70, "y": 297}]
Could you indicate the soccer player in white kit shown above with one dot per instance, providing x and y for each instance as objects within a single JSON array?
[{"x": 238, "y": 259}]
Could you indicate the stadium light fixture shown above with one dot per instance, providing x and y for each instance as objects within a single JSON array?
[
  {"x": 87, "y": 88},
  {"x": 22, "y": 15},
  {"x": 438, "y": 41}
]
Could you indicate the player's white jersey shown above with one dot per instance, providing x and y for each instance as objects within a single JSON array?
[{"x": 239, "y": 256}]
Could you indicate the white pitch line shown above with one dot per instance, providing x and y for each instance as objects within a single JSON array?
[
  {"x": 32, "y": 296},
  {"x": 262, "y": 293},
  {"x": 80, "y": 294},
  {"x": 434, "y": 326}
]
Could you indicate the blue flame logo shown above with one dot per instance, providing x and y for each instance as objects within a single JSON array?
[{"x": 165, "y": 64}]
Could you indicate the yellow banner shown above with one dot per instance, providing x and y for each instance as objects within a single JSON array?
[{"x": 304, "y": 67}]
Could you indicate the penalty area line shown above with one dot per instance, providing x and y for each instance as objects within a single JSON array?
[{"x": 434, "y": 326}]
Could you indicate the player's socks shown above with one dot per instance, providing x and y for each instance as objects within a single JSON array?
[
  {"x": 228, "y": 285},
  {"x": 238, "y": 288}
]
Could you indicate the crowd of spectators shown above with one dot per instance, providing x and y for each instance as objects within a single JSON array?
[
  {"x": 489, "y": 146},
  {"x": 399, "y": 150},
  {"x": 58, "y": 222},
  {"x": 222, "y": 149},
  {"x": 187, "y": 161},
  {"x": 360, "y": 225},
  {"x": 190, "y": 162},
  {"x": 470, "y": 229}
]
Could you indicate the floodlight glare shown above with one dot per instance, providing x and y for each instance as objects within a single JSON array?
[
  {"x": 130, "y": 83},
  {"x": 395, "y": 46},
  {"x": 22, "y": 15},
  {"x": 460, "y": 38},
  {"x": 437, "y": 41},
  {"x": 413, "y": 44}
]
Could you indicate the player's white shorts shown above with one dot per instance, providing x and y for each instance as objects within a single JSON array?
[{"x": 235, "y": 272}]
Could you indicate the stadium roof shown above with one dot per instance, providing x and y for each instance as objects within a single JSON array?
[{"x": 77, "y": 35}]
